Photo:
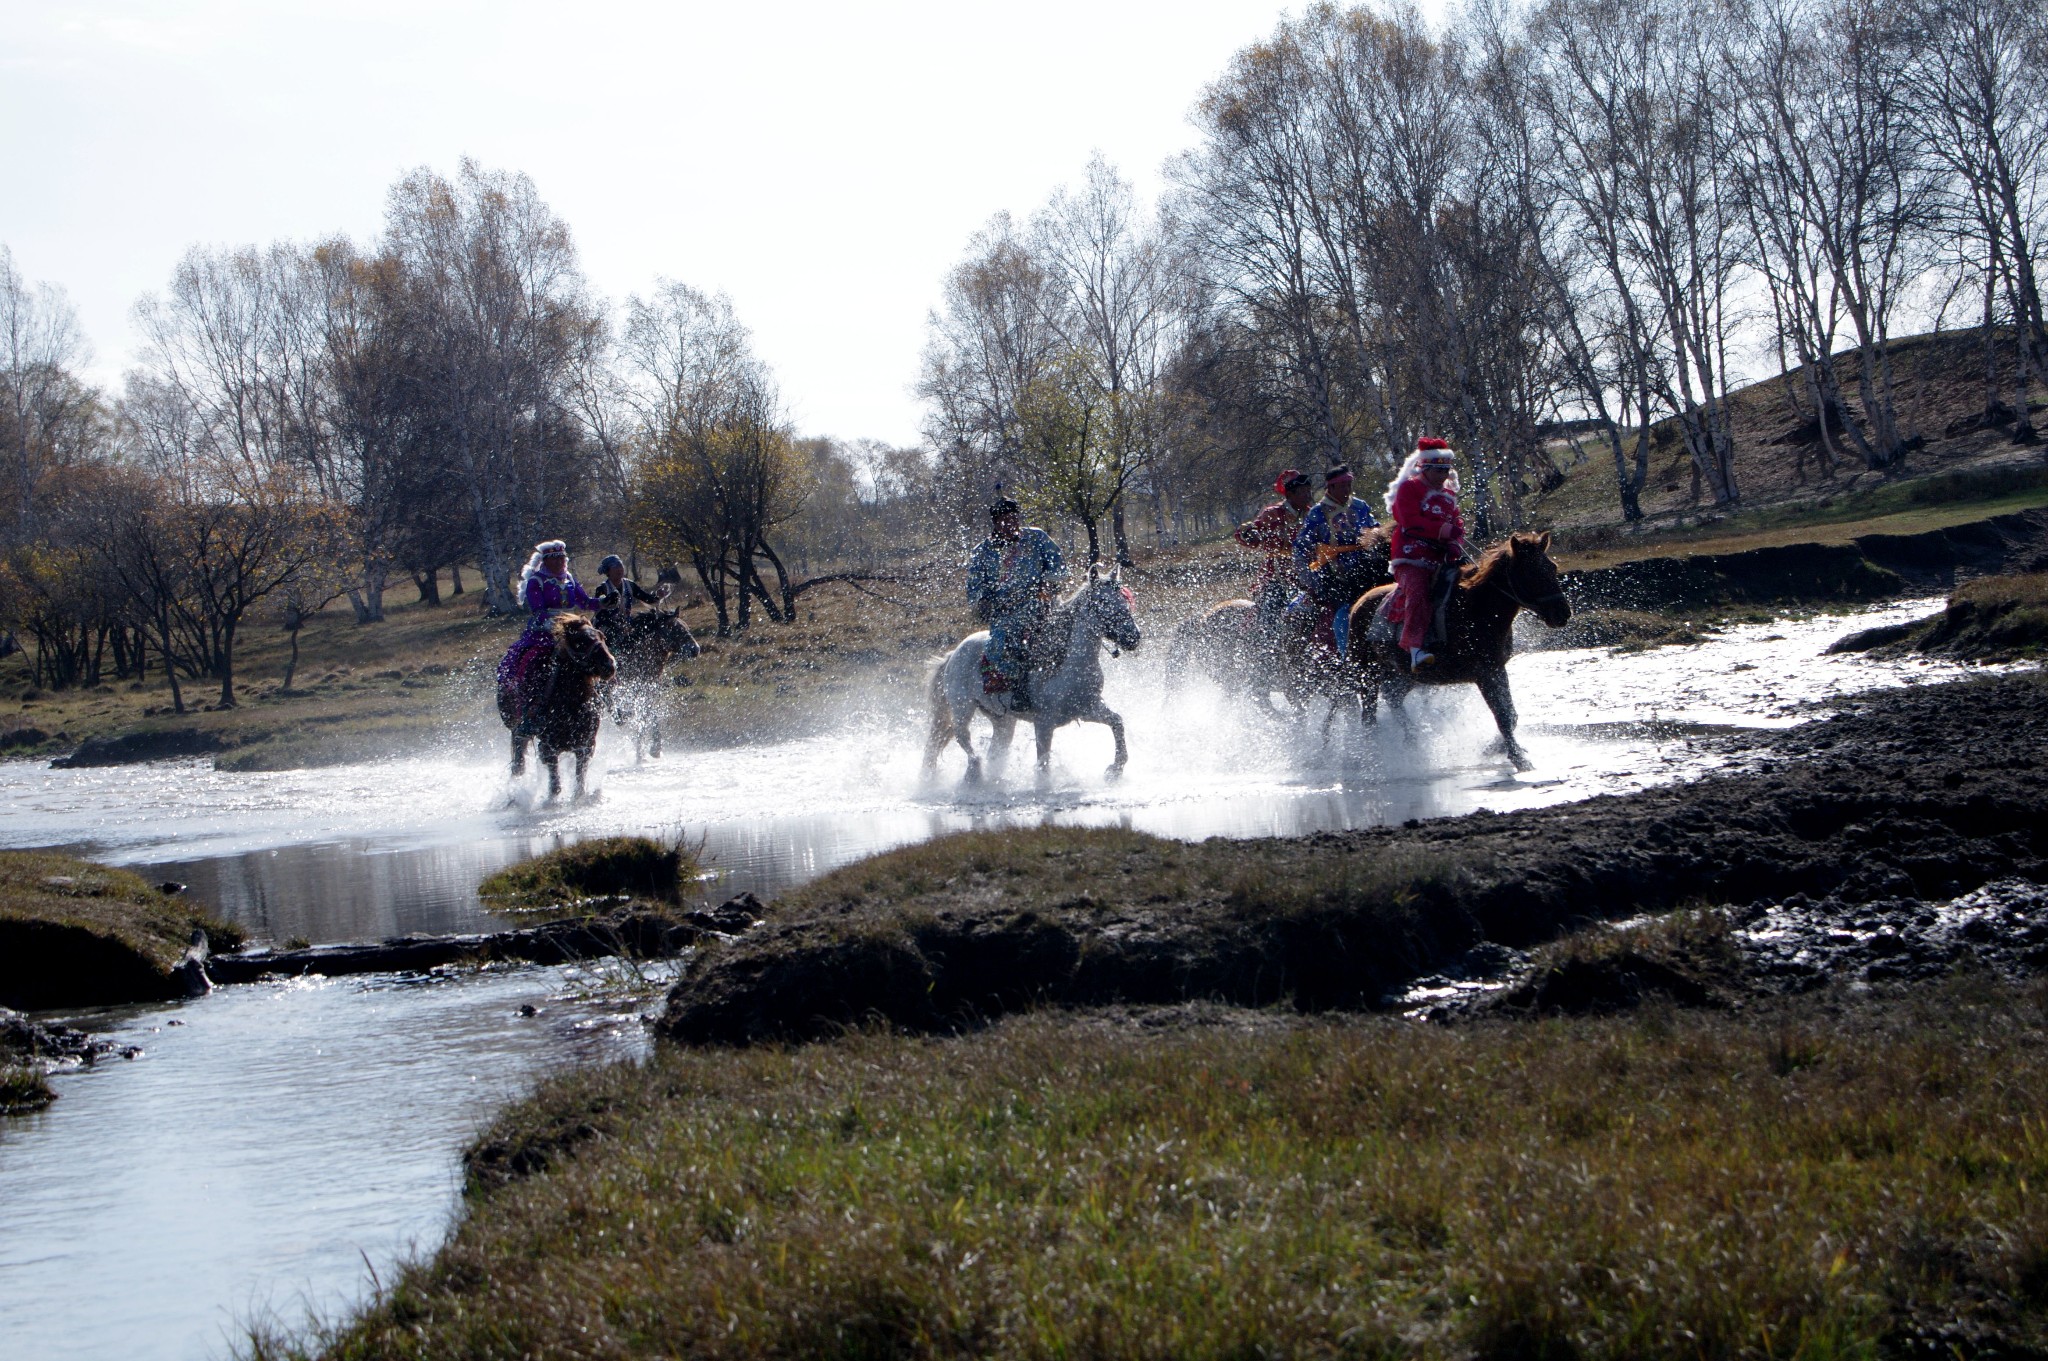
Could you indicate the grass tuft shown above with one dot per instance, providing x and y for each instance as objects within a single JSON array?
[
  {"x": 22, "y": 1089},
  {"x": 613, "y": 866}
]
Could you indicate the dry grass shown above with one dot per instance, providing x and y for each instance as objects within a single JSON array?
[
  {"x": 1830, "y": 1179},
  {"x": 604, "y": 868},
  {"x": 23, "y": 1089},
  {"x": 44, "y": 887}
]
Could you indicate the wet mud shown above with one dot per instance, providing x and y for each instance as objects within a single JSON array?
[{"x": 1899, "y": 838}]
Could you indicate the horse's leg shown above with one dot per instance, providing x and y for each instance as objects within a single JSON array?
[
  {"x": 1043, "y": 732},
  {"x": 999, "y": 739},
  {"x": 552, "y": 760},
  {"x": 518, "y": 755},
  {"x": 1398, "y": 686},
  {"x": 654, "y": 738},
  {"x": 582, "y": 755},
  {"x": 1493, "y": 688},
  {"x": 1369, "y": 695},
  {"x": 960, "y": 736}
]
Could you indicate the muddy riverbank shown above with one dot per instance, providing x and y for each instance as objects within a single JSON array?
[{"x": 1904, "y": 798}]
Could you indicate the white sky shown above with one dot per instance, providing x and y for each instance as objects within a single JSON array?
[{"x": 824, "y": 164}]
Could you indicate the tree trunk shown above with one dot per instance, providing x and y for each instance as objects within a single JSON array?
[
  {"x": 1116, "y": 529},
  {"x": 455, "y": 578},
  {"x": 227, "y": 665},
  {"x": 170, "y": 664},
  {"x": 429, "y": 583},
  {"x": 291, "y": 665}
]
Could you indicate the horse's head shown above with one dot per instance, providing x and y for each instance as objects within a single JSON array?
[
  {"x": 1532, "y": 578},
  {"x": 1108, "y": 602},
  {"x": 578, "y": 641},
  {"x": 666, "y": 633}
]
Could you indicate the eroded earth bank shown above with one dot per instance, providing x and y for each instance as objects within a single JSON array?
[{"x": 1900, "y": 838}]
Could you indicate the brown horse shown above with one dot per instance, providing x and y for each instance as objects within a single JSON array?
[
  {"x": 555, "y": 704},
  {"x": 1230, "y": 644},
  {"x": 1514, "y": 575},
  {"x": 644, "y": 647}
]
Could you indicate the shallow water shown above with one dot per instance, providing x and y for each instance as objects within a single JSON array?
[{"x": 261, "y": 1155}]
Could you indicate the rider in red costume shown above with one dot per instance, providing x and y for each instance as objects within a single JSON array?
[
  {"x": 1428, "y": 536},
  {"x": 1270, "y": 534}
]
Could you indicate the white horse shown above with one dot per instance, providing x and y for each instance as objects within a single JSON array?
[{"x": 1066, "y": 689}]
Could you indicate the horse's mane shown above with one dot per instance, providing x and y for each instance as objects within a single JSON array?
[
  {"x": 1492, "y": 559},
  {"x": 560, "y": 623}
]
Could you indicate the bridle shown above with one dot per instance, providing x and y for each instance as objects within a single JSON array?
[{"x": 1507, "y": 589}]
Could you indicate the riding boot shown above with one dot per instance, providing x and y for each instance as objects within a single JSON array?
[{"x": 1419, "y": 657}]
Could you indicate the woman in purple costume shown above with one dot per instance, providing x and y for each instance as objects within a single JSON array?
[{"x": 546, "y": 587}]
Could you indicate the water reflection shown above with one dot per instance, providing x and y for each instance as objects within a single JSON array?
[{"x": 270, "y": 1141}]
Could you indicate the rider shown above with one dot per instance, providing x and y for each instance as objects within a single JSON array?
[
  {"x": 615, "y": 598},
  {"x": 1270, "y": 534},
  {"x": 546, "y": 587},
  {"x": 1336, "y": 525},
  {"x": 1011, "y": 579},
  {"x": 1428, "y": 535}
]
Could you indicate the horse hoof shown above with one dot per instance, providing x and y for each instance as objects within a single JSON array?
[{"x": 1113, "y": 774}]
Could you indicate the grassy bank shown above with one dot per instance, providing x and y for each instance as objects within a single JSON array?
[
  {"x": 608, "y": 868},
  {"x": 73, "y": 933},
  {"x": 1833, "y": 1177}
]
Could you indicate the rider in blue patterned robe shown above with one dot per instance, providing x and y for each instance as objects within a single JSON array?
[{"x": 1011, "y": 580}]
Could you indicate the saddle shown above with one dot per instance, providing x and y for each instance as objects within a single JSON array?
[{"x": 1386, "y": 627}]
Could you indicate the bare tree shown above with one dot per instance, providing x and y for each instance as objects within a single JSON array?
[{"x": 47, "y": 414}]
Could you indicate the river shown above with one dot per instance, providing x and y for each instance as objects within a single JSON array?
[{"x": 275, "y": 1148}]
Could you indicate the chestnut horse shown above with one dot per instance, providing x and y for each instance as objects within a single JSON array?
[
  {"x": 1478, "y": 633},
  {"x": 555, "y": 703}
]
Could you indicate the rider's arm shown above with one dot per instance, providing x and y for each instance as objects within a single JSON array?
[
  {"x": 1314, "y": 531},
  {"x": 641, "y": 593},
  {"x": 1052, "y": 567},
  {"x": 981, "y": 571}
]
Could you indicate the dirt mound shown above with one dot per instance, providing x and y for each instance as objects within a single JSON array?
[
  {"x": 142, "y": 746},
  {"x": 1872, "y": 567},
  {"x": 1925, "y": 794},
  {"x": 1991, "y": 619}
]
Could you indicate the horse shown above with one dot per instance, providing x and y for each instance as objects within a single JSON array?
[
  {"x": 1067, "y": 684},
  {"x": 555, "y": 702},
  {"x": 645, "y": 644},
  {"x": 1478, "y": 626},
  {"x": 1240, "y": 651}
]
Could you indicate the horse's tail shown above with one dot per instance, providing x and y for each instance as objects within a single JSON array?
[
  {"x": 1187, "y": 640},
  {"x": 942, "y": 714}
]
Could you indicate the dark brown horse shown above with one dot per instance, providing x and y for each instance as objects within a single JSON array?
[
  {"x": 1478, "y": 634},
  {"x": 644, "y": 647},
  {"x": 555, "y": 703},
  {"x": 1238, "y": 650}
]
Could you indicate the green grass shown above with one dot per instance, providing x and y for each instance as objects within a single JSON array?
[
  {"x": 1832, "y": 1178},
  {"x": 632, "y": 866}
]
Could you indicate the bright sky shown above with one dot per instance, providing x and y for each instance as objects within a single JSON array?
[{"x": 822, "y": 163}]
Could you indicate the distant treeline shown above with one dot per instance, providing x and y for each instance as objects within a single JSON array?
[
  {"x": 1594, "y": 211},
  {"x": 312, "y": 422}
]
